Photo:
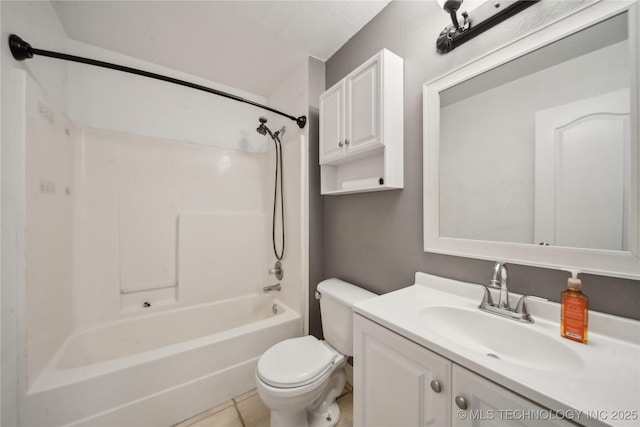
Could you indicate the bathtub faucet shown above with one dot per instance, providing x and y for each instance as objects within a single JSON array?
[{"x": 272, "y": 288}]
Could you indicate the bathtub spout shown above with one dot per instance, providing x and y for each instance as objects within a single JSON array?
[{"x": 272, "y": 288}]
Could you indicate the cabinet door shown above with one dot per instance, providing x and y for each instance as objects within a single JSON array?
[
  {"x": 332, "y": 124},
  {"x": 364, "y": 107},
  {"x": 488, "y": 404},
  {"x": 392, "y": 380}
]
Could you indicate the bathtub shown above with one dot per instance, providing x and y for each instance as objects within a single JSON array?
[{"x": 158, "y": 368}]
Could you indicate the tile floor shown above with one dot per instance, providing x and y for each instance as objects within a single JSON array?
[{"x": 247, "y": 410}]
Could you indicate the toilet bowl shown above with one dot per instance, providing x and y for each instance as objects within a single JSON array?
[
  {"x": 296, "y": 378},
  {"x": 299, "y": 379}
]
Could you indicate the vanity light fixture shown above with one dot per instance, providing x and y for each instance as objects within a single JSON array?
[{"x": 487, "y": 15}]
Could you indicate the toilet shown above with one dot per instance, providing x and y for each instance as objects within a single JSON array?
[{"x": 299, "y": 379}]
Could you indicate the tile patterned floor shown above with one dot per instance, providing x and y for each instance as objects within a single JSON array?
[{"x": 247, "y": 410}]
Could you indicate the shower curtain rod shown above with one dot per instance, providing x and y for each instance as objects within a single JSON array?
[{"x": 22, "y": 50}]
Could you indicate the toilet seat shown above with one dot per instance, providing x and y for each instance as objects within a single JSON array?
[{"x": 295, "y": 362}]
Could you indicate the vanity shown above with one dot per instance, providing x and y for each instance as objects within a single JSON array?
[{"x": 427, "y": 355}]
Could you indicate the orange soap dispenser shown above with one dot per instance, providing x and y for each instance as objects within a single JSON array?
[{"x": 574, "y": 316}]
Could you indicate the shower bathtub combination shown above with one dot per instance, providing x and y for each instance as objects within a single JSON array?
[
  {"x": 143, "y": 303},
  {"x": 159, "y": 369}
]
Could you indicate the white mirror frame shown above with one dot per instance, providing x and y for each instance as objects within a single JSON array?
[{"x": 601, "y": 262}]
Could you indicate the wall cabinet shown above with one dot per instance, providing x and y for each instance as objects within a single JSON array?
[
  {"x": 361, "y": 128},
  {"x": 398, "y": 382}
]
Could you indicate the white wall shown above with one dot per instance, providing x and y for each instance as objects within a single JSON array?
[
  {"x": 37, "y": 23},
  {"x": 108, "y": 99},
  {"x": 481, "y": 132}
]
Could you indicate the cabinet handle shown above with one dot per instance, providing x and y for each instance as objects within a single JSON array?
[
  {"x": 435, "y": 386},
  {"x": 346, "y": 142},
  {"x": 340, "y": 144},
  {"x": 461, "y": 402}
]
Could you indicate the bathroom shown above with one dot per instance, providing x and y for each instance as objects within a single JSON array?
[{"x": 194, "y": 161}]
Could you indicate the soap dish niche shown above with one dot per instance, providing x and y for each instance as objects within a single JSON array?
[{"x": 144, "y": 299}]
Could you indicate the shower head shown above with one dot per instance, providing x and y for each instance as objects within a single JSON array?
[{"x": 262, "y": 129}]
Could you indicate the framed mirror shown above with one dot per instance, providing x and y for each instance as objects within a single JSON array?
[{"x": 531, "y": 152}]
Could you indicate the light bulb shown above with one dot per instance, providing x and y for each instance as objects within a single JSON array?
[{"x": 450, "y": 5}]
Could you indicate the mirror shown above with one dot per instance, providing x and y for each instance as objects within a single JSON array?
[{"x": 531, "y": 152}]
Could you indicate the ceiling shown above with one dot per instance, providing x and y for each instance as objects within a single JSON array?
[{"x": 249, "y": 45}]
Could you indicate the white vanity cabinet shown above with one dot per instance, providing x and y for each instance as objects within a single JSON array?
[
  {"x": 361, "y": 128},
  {"x": 400, "y": 383},
  {"x": 487, "y": 404},
  {"x": 393, "y": 379}
]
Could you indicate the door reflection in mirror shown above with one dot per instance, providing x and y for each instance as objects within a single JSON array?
[{"x": 538, "y": 149}]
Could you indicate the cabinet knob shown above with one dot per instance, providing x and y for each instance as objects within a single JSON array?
[
  {"x": 346, "y": 142},
  {"x": 461, "y": 402},
  {"x": 340, "y": 144},
  {"x": 435, "y": 386}
]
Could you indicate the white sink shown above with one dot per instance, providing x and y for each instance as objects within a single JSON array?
[
  {"x": 533, "y": 360},
  {"x": 500, "y": 338}
]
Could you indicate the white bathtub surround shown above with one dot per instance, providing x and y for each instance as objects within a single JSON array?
[
  {"x": 138, "y": 219},
  {"x": 161, "y": 368},
  {"x": 48, "y": 239},
  {"x": 140, "y": 202},
  {"x": 104, "y": 213}
]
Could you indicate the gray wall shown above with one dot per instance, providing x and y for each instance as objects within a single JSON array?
[
  {"x": 316, "y": 201},
  {"x": 374, "y": 240}
]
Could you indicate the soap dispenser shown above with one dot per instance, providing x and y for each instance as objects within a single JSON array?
[{"x": 574, "y": 315}]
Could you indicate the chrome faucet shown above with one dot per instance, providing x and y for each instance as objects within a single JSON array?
[
  {"x": 503, "y": 308},
  {"x": 500, "y": 270},
  {"x": 272, "y": 288}
]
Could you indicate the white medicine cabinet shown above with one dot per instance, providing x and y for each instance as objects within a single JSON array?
[{"x": 361, "y": 128}]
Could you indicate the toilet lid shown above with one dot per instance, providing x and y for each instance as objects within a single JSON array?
[{"x": 295, "y": 362}]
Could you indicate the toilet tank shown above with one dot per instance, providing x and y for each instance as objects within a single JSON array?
[{"x": 336, "y": 301}]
